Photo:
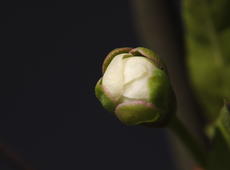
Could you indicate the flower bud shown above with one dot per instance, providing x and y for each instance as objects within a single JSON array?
[{"x": 135, "y": 86}]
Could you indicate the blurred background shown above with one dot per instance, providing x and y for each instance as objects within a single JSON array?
[{"x": 51, "y": 56}]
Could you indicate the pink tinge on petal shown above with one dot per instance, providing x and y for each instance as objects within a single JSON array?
[
  {"x": 108, "y": 94},
  {"x": 136, "y": 102}
]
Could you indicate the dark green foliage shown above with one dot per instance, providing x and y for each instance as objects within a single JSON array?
[{"x": 208, "y": 38}]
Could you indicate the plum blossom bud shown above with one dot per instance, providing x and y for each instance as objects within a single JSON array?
[{"x": 136, "y": 87}]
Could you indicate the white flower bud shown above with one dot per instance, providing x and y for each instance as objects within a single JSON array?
[
  {"x": 135, "y": 86},
  {"x": 126, "y": 77}
]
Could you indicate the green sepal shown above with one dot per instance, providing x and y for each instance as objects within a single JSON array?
[
  {"x": 112, "y": 54},
  {"x": 162, "y": 95},
  {"x": 137, "y": 112},
  {"x": 145, "y": 52},
  {"x": 106, "y": 101}
]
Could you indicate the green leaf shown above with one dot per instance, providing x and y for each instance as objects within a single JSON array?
[
  {"x": 223, "y": 123},
  {"x": 220, "y": 149},
  {"x": 208, "y": 37},
  {"x": 218, "y": 157}
]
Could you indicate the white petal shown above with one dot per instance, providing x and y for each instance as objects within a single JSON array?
[
  {"x": 137, "y": 71},
  {"x": 113, "y": 79},
  {"x": 133, "y": 69}
]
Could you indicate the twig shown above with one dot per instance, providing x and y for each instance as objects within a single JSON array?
[
  {"x": 188, "y": 140},
  {"x": 14, "y": 159}
]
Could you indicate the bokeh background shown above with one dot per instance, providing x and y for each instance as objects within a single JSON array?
[{"x": 51, "y": 56}]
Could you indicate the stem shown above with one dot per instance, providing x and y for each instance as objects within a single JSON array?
[
  {"x": 188, "y": 140},
  {"x": 14, "y": 160}
]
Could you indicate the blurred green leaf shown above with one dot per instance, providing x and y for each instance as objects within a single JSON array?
[
  {"x": 220, "y": 151},
  {"x": 218, "y": 158},
  {"x": 223, "y": 123},
  {"x": 207, "y": 36}
]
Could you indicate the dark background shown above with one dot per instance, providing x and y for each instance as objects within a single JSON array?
[{"x": 50, "y": 60}]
